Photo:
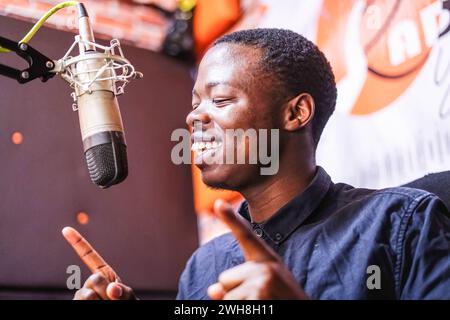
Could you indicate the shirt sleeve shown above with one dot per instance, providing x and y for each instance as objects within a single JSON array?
[
  {"x": 198, "y": 275},
  {"x": 424, "y": 245},
  {"x": 185, "y": 280}
]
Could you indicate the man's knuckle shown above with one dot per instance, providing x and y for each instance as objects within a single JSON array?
[
  {"x": 85, "y": 294},
  {"x": 90, "y": 295},
  {"x": 97, "y": 278}
]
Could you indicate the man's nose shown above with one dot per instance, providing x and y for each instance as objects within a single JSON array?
[{"x": 198, "y": 115}]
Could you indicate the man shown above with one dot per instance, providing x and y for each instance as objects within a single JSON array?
[{"x": 298, "y": 235}]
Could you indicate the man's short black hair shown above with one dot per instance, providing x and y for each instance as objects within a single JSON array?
[{"x": 298, "y": 66}]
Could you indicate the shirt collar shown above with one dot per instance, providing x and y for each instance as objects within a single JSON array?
[{"x": 287, "y": 219}]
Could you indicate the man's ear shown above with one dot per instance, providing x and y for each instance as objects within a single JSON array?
[{"x": 299, "y": 112}]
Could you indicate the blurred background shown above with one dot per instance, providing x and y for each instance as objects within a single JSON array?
[{"x": 391, "y": 59}]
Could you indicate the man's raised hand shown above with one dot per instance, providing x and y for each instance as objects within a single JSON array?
[
  {"x": 262, "y": 277},
  {"x": 104, "y": 283}
]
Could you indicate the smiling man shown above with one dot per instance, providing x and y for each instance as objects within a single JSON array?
[
  {"x": 305, "y": 236},
  {"x": 297, "y": 235}
]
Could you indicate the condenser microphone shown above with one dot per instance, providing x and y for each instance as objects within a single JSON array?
[
  {"x": 94, "y": 75},
  {"x": 101, "y": 125}
]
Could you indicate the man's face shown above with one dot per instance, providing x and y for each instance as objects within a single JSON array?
[{"x": 230, "y": 93}]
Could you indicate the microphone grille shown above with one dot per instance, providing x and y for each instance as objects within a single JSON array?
[{"x": 107, "y": 165}]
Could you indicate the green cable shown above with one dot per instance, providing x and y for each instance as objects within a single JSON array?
[
  {"x": 41, "y": 21},
  {"x": 186, "y": 5}
]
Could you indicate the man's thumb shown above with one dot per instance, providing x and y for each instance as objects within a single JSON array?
[
  {"x": 254, "y": 248},
  {"x": 119, "y": 291}
]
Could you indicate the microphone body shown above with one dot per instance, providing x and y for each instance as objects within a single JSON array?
[
  {"x": 98, "y": 110},
  {"x": 101, "y": 128}
]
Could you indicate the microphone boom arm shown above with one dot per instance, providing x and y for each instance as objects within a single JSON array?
[{"x": 39, "y": 66}]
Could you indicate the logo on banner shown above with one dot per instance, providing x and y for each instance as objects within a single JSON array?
[{"x": 394, "y": 40}]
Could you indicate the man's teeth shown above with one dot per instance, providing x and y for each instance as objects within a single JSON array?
[{"x": 203, "y": 146}]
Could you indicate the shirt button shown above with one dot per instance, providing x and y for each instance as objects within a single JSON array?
[
  {"x": 258, "y": 232},
  {"x": 278, "y": 237}
]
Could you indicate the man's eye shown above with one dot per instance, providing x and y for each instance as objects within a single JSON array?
[{"x": 221, "y": 101}]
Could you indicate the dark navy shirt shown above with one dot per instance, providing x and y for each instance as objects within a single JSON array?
[{"x": 338, "y": 241}]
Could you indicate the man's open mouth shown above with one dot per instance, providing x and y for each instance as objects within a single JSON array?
[{"x": 201, "y": 147}]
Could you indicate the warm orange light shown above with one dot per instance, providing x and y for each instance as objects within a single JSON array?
[
  {"x": 82, "y": 218},
  {"x": 17, "y": 137}
]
